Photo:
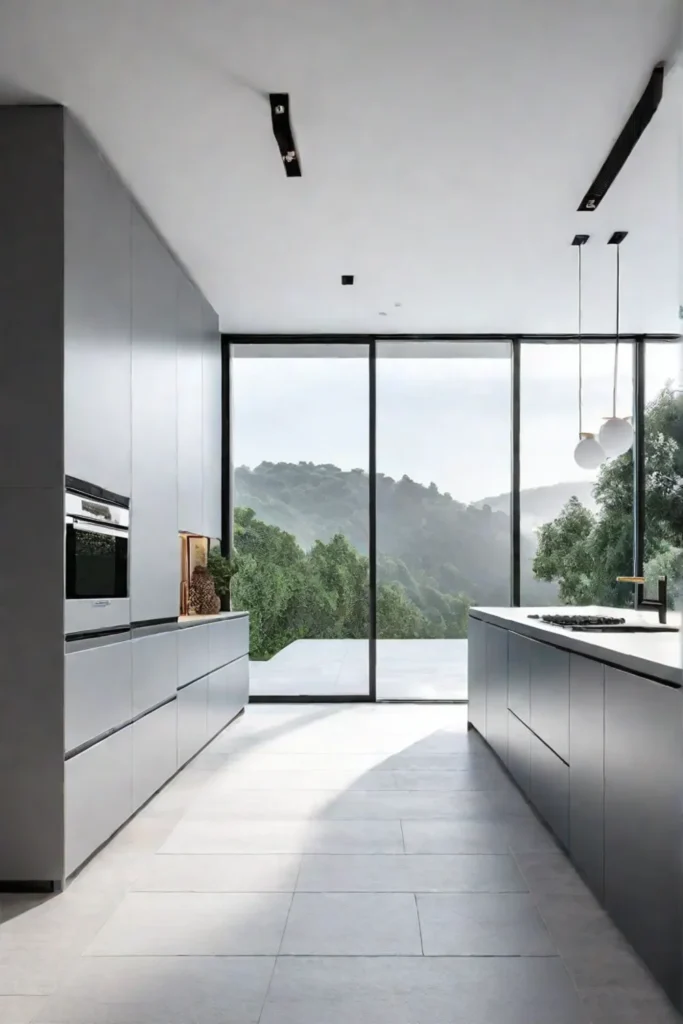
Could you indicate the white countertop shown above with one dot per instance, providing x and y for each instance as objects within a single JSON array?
[{"x": 653, "y": 654}]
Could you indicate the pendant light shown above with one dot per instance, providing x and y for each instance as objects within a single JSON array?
[
  {"x": 588, "y": 453},
  {"x": 616, "y": 433}
]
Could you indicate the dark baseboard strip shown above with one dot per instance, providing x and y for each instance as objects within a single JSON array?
[
  {"x": 95, "y": 634},
  {"x": 30, "y": 886},
  {"x": 362, "y": 699}
]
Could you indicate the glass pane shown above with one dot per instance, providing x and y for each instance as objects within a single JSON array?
[
  {"x": 663, "y": 470},
  {"x": 95, "y": 564},
  {"x": 301, "y": 488},
  {"x": 576, "y": 524},
  {"x": 443, "y": 508}
]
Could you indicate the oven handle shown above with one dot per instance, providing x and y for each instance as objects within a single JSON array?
[{"x": 108, "y": 531}]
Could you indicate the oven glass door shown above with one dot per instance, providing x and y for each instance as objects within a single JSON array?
[{"x": 96, "y": 562}]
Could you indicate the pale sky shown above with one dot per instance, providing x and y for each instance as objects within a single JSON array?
[{"x": 445, "y": 420}]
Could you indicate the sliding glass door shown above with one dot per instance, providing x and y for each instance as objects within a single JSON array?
[
  {"x": 443, "y": 434},
  {"x": 382, "y": 487},
  {"x": 300, "y": 447}
]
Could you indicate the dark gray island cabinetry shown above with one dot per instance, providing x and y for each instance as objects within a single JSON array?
[{"x": 590, "y": 728}]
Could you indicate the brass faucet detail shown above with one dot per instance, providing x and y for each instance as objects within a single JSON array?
[{"x": 642, "y": 603}]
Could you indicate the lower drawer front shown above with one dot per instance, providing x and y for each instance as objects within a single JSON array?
[
  {"x": 192, "y": 720},
  {"x": 519, "y": 752},
  {"x": 238, "y": 686},
  {"x": 549, "y": 791},
  {"x": 228, "y": 640},
  {"x": 155, "y": 751},
  {"x": 98, "y": 795}
]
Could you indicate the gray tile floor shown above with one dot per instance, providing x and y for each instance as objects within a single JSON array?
[
  {"x": 327, "y": 865},
  {"x": 406, "y": 670}
]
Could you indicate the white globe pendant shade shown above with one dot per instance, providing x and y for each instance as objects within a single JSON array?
[
  {"x": 589, "y": 454},
  {"x": 616, "y": 436}
]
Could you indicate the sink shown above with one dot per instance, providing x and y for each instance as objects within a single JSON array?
[{"x": 654, "y": 628}]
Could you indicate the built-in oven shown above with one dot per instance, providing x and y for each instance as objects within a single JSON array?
[{"x": 96, "y": 564}]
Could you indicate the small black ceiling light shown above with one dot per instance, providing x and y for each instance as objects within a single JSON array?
[
  {"x": 284, "y": 136},
  {"x": 347, "y": 279}
]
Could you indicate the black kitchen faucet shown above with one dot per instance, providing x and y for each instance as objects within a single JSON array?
[{"x": 642, "y": 603}]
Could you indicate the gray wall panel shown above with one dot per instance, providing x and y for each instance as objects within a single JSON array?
[
  {"x": 32, "y": 309},
  {"x": 190, "y": 408},
  {"x": 97, "y": 334},
  {"x": 98, "y": 692},
  {"x": 212, "y": 413},
  {"x": 31, "y": 683},
  {"x": 154, "y": 547},
  {"x": 155, "y": 670}
]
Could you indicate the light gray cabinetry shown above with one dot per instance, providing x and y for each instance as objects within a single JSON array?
[
  {"x": 217, "y": 714},
  {"x": 155, "y": 751},
  {"x": 98, "y": 795},
  {"x": 97, "y": 308},
  {"x": 190, "y": 408},
  {"x": 155, "y": 670},
  {"x": 192, "y": 719},
  {"x": 238, "y": 686},
  {"x": 212, "y": 390},
  {"x": 228, "y": 640},
  {"x": 98, "y": 692},
  {"x": 193, "y": 653},
  {"x": 154, "y": 546}
]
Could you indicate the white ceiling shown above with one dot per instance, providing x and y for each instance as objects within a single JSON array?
[{"x": 445, "y": 146}]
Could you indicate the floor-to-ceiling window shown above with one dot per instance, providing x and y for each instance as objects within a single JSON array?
[
  {"x": 300, "y": 497},
  {"x": 576, "y": 525},
  {"x": 374, "y": 491},
  {"x": 443, "y": 435}
]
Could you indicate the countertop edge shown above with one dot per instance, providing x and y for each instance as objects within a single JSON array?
[
  {"x": 579, "y": 644},
  {"x": 206, "y": 620}
]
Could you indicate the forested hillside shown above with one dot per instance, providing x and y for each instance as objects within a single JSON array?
[{"x": 308, "y": 530}]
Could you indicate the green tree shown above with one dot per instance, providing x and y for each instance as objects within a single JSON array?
[{"x": 585, "y": 552}]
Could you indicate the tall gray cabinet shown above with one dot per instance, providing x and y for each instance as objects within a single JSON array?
[{"x": 110, "y": 373}]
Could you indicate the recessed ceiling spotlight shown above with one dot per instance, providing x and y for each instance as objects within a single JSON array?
[
  {"x": 397, "y": 305},
  {"x": 381, "y": 314},
  {"x": 347, "y": 278}
]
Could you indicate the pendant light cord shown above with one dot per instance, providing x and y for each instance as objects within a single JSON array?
[
  {"x": 580, "y": 247},
  {"x": 616, "y": 340}
]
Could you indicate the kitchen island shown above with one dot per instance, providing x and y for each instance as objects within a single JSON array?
[{"x": 589, "y": 726}]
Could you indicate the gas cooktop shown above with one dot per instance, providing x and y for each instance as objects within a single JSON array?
[{"x": 571, "y": 621}]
